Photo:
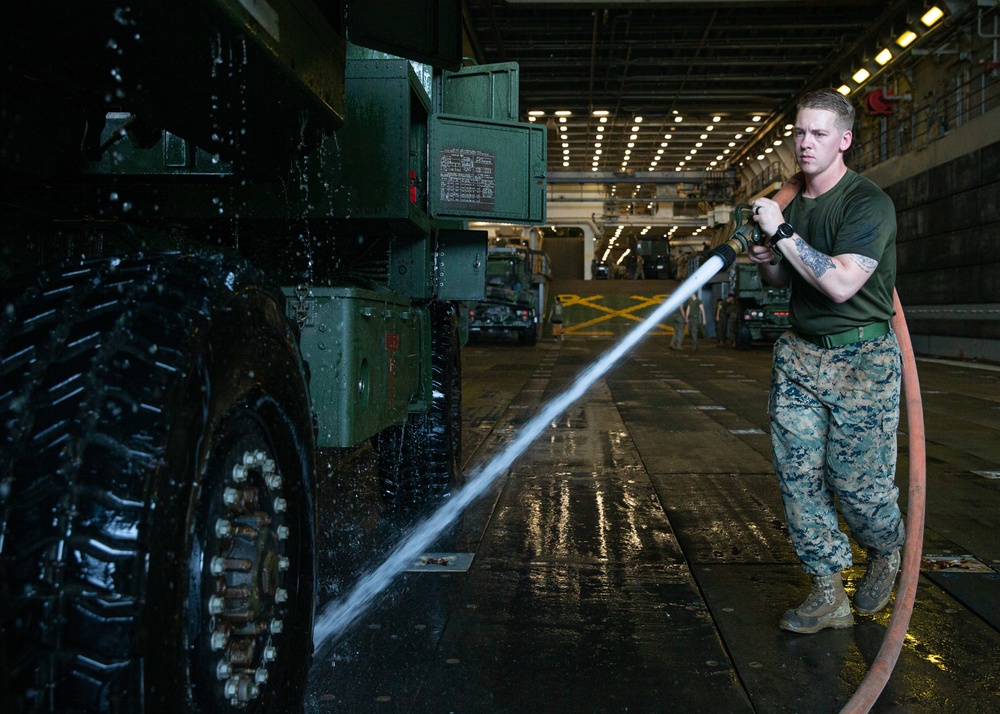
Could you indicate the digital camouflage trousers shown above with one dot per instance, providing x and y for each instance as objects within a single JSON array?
[{"x": 834, "y": 414}]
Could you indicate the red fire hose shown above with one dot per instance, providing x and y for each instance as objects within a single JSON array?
[
  {"x": 873, "y": 683},
  {"x": 871, "y": 686}
]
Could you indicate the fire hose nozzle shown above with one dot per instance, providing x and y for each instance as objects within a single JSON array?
[{"x": 746, "y": 233}]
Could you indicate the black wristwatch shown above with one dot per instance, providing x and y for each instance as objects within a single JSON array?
[{"x": 785, "y": 230}]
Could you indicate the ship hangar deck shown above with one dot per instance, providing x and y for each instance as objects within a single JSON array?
[{"x": 635, "y": 558}]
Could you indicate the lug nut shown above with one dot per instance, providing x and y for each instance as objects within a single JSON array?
[
  {"x": 273, "y": 482},
  {"x": 239, "y": 473},
  {"x": 230, "y": 496},
  {"x": 280, "y": 595},
  {"x": 218, "y": 565},
  {"x": 277, "y": 626},
  {"x": 270, "y": 652},
  {"x": 223, "y": 670},
  {"x": 223, "y": 528},
  {"x": 282, "y": 532},
  {"x": 216, "y": 605},
  {"x": 219, "y": 641},
  {"x": 280, "y": 505},
  {"x": 268, "y": 467},
  {"x": 284, "y": 563},
  {"x": 260, "y": 676}
]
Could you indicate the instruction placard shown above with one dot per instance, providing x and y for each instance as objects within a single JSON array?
[{"x": 468, "y": 180}]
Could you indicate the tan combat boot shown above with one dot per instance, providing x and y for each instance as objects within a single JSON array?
[{"x": 826, "y": 606}]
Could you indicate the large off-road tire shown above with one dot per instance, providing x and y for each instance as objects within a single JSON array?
[
  {"x": 420, "y": 462},
  {"x": 155, "y": 491}
]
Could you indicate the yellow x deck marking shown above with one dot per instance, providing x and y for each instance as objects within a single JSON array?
[{"x": 591, "y": 301}]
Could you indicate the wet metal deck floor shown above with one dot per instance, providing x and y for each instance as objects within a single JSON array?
[{"x": 635, "y": 559}]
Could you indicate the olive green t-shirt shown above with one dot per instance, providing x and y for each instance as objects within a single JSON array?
[{"x": 855, "y": 216}]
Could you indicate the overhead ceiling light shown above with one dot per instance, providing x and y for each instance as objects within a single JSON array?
[
  {"x": 565, "y": 146},
  {"x": 756, "y": 118},
  {"x": 843, "y": 89},
  {"x": 932, "y": 16},
  {"x": 604, "y": 120},
  {"x": 906, "y": 38},
  {"x": 638, "y": 120},
  {"x": 562, "y": 119},
  {"x": 698, "y": 144},
  {"x": 633, "y": 137},
  {"x": 600, "y": 136},
  {"x": 760, "y": 157},
  {"x": 635, "y": 128},
  {"x": 600, "y": 112},
  {"x": 536, "y": 113},
  {"x": 630, "y": 145},
  {"x": 884, "y": 56},
  {"x": 777, "y": 142},
  {"x": 703, "y": 136},
  {"x": 716, "y": 119},
  {"x": 710, "y": 127},
  {"x": 564, "y": 113},
  {"x": 678, "y": 119},
  {"x": 597, "y": 144},
  {"x": 861, "y": 75},
  {"x": 532, "y": 118},
  {"x": 738, "y": 136}
]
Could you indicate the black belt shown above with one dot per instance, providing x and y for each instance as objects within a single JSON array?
[{"x": 848, "y": 337}]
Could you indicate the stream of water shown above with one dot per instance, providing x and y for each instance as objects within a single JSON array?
[{"x": 339, "y": 615}]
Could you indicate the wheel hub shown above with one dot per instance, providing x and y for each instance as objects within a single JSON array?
[{"x": 248, "y": 565}]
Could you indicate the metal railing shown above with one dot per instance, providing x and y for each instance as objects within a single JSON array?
[{"x": 916, "y": 122}]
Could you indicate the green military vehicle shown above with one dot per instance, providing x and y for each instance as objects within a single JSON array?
[
  {"x": 763, "y": 309},
  {"x": 515, "y": 284},
  {"x": 235, "y": 251}
]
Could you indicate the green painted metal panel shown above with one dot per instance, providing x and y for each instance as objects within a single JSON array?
[
  {"x": 411, "y": 265},
  {"x": 363, "y": 350},
  {"x": 486, "y": 170},
  {"x": 483, "y": 91},
  {"x": 461, "y": 265},
  {"x": 379, "y": 164}
]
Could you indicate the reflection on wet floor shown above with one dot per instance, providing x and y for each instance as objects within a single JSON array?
[{"x": 635, "y": 557}]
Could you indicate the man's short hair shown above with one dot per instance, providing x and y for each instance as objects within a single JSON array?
[{"x": 833, "y": 101}]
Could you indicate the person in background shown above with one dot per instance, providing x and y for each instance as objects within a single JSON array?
[
  {"x": 677, "y": 318},
  {"x": 556, "y": 319},
  {"x": 732, "y": 319},
  {"x": 720, "y": 322},
  {"x": 836, "y": 374},
  {"x": 694, "y": 316}
]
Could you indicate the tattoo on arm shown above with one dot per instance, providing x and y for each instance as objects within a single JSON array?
[
  {"x": 817, "y": 262},
  {"x": 865, "y": 263}
]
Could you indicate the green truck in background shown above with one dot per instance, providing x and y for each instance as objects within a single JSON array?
[
  {"x": 516, "y": 282},
  {"x": 763, "y": 309},
  {"x": 234, "y": 263}
]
